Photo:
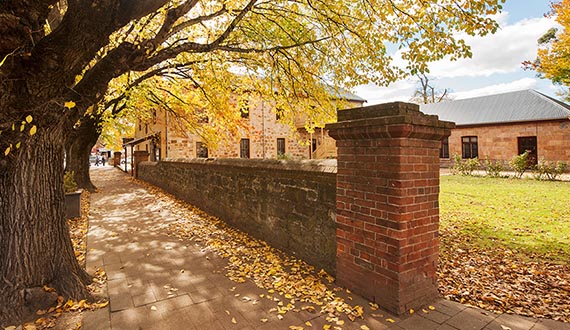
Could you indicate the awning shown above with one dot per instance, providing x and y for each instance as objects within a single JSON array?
[{"x": 140, "y": 140}]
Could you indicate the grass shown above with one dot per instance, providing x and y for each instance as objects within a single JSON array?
[{"x": 527, "y": 216}]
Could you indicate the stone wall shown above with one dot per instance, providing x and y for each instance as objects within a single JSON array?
[
  {"x": 289, "y": 204},
  {"x": 499, "y": 142}
]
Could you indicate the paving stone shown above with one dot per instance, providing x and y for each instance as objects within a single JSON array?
[
  {"x": 179, "y": 302},
  {"x": 199, "y": 314},
  {"x": 511, "y": 321},
  {"x": 98, "y": 319},
  {"x": 435, "y": 316},
  {"x": 446, "y": 327},
  {"x": 144, "y": 299},
  {"x": 544, "y": 324},
  {"x": 470, "y": 319},
  {"x": 204, "y": 295},
  {"x": 447, "y": 307},
  {"x": 120, "y": 301},
  {"x": 418, "y": 322}
]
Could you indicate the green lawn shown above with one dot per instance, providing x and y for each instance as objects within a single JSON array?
[{"x": 528, "y": 216}]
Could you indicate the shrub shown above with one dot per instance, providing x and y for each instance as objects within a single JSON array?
[
  {"x": 493, "y": 168},
  {"x": 520, "y": 164},
  {"x": 549, "y": 170},
  {"x": 464, "y": 167},
  {"x": 69, "y": 183}
]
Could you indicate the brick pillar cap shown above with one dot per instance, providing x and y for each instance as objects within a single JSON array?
[{"x": 397, "y": 119}]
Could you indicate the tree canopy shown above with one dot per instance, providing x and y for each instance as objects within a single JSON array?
[
  {"x": 553, "y": 56},
  {"x": 294, "y": 46}
]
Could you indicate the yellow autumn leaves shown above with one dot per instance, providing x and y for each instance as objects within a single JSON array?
[
  {"x": 22, "y": 127},
  {"x": 28, "y": 120}
]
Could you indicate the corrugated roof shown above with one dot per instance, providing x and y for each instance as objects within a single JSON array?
[
  {"x": 521, "y": 106},
  {"x": 343, "y": 94}
]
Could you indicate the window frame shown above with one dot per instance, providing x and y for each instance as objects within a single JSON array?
[
  {"x": 444, "y": 148},
  {"x": 469, "y": 147},
  {"x": 200, "y": 148},
  {"x": 244, "y": 148},
  {"x": 281, "y": 146}
]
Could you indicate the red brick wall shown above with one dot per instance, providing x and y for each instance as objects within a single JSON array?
[
  {"x": 500, "y": 141},
  {"x": 387, "y": 203}
]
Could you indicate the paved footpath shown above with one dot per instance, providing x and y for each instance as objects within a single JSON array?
[{"x": 156, "y": 281}]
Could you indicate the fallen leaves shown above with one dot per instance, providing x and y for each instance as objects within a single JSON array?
[
  {"x": 291, "y": 284},
  {"x": 502, "y": 280}
]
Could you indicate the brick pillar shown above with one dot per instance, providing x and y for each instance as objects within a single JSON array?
[
  {"x": 117, "y": 158},
  {"x": 387, "y": 203},
  {"x": 140, "y": 156}
]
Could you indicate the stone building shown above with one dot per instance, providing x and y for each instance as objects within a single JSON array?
[
  {"x": 264, "y": 137},
  {"x": 498, "y": 127}
]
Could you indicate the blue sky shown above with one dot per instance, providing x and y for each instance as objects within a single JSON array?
[{"x": 496, "y": 63}]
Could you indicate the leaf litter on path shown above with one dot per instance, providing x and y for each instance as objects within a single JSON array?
[{"x": 292, "y": 284}]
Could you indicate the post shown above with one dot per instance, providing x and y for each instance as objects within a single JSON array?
[
  {"x": 117, "y": 158},
  {"x": 387, "y": 203},
  {"x": 140, "y": 156}
]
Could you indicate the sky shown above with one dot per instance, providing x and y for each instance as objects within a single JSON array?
[{"x": 496, "y": 63}]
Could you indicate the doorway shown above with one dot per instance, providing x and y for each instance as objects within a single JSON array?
[{"x": 528, "y": 143}]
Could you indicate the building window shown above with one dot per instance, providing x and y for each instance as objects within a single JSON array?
[
  {"x": 244, "y": 108},
  {"x": 278, "y": 114},
  {"x": 145, "y": 128},
  {"x": 244, "y": 148},
  {"x": 280, "y": 146},
  {"x": 469, "y": 147},
  {"x": 444, "y": 150},
  {"x": 201, "y": 150},
  {"x": 314, "y": 145},
  {"x": 140, "y": 126}
]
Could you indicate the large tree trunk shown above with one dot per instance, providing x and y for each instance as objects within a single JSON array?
[
  {"x": 34, "y": 237},
  {"x": 78, "y": 149}
]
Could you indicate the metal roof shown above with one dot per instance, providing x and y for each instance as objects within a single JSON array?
[
  {"x": 520, "y": 106},
  {"x": 343, "y": 94}
]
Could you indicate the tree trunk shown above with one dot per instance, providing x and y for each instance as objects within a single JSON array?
[
  {"x": 78, "y": 149},
  {"x": 34, "y": 236}
]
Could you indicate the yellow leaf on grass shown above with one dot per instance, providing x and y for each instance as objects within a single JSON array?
[
  {"x": 264, "y": 320},
  {"x": 412, "y": 311},
  {"x": 431, "y": 307},
  {"x": 390, "y": 320},
  {"x": 326, "y": 327},
  {"x": 363, "y": 327},
  {"x": 234, "y": 320},
  {"x": 309, "y": 324},
  {"x": 33, "y": 130},
  {"x": 7, "y": 151},
  {"x": 29, "y": 119}
]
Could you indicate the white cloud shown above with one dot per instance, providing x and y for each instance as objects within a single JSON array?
[
  {"x": 501, "y": 52},
  {"x": 398, "y": 91},
  {"x": 517, "y": 85}
]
